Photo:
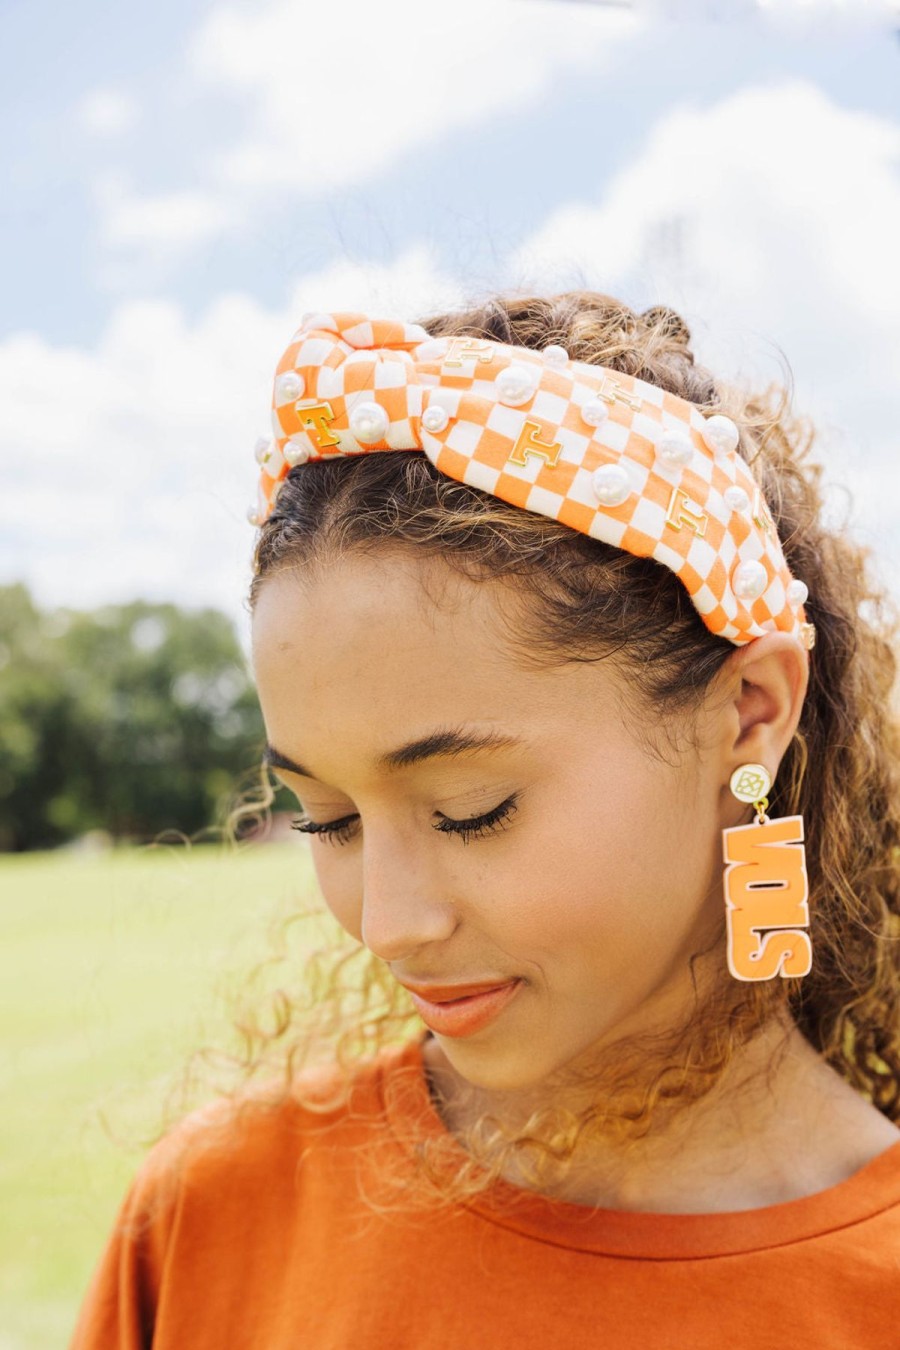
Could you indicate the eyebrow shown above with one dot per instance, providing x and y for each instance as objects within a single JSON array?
[{"x": 445, "y": 741}]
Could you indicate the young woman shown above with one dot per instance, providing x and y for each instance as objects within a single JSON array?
[{"x": 588, "y": 714}]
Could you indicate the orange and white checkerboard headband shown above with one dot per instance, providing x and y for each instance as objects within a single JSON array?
[{"x": 608, "y": 454}]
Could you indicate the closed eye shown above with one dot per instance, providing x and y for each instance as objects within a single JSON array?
[{"x": 475, "y": 827}]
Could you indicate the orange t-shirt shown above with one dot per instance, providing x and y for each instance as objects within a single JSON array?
[{"x": 255, "y": 1246}]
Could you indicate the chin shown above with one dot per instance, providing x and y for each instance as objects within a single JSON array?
[{"x": 494, "y": 1068}]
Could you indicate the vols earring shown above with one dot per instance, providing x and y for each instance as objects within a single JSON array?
[{"x": 766, "y": 887}]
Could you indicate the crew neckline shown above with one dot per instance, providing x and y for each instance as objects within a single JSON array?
[{"x": 645, "y": 1235}]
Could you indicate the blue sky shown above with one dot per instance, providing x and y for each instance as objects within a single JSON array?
[{"x": 183, "y": 181}]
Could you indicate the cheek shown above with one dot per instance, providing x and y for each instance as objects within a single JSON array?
[
  {"x": 615, "y": 883},
  {"x": 340, "y": 881}
]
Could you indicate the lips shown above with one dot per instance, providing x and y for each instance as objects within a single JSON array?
[
  {"x": 447, "y": 993},
  {"x": 465, "y": 1016}
]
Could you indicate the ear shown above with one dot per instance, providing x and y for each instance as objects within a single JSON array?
[{"x": 767, "y": 682}]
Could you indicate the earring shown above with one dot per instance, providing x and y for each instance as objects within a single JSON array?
[{"x": 766, "y": 887}]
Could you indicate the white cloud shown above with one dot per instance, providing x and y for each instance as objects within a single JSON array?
[
  {"x": 324, "y": 112},
  {"x": 107, "y": 112},
  {"x": 127, "y": 470},
  {"x": 793, "y": 14},
  {"x": 161, "y": 226},
  {"x": 770, "y": 220},
  {"x": 311, "y": 123}
]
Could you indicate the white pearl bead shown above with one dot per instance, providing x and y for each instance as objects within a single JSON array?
[
  {"x": 261, "y": 449},
  {"x": 750, "y": 580},
  {"x": 611, "y": 484},
  {"x": 289, "y": 386},
  {"x": 675, "y": 448},
  {"x": 369, "y": 422},
  {"x": 555, "y": 355},
  {"x": 435, "y": 418},
  {"x": 253, "y": 515},
  {"x": 296, "y": 452},
  {"x": 720, "y": 434},
  {"x": 797, "y": 593},
  {"x": 736, "y": 498},
  {"x": 516, "y": 385},
  {"x": 595, "y": 411}
]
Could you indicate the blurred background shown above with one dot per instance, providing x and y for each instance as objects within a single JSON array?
[{"x": 179, "y": 183}]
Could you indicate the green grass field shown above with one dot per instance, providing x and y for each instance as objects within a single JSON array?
[{"x": 112, "y": 969}]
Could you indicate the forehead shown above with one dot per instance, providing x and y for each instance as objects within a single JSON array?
[
  {"x": 369, "y": 653},
  {"x": 363, "y": 623}
]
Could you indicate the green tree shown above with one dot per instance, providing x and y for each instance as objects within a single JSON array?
[{"x": 133, "y": 718}]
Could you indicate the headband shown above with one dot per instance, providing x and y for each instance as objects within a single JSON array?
[{"x": 603, "y": 452}]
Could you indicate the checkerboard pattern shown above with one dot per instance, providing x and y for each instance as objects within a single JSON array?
[{"x": 533, "y": 446}]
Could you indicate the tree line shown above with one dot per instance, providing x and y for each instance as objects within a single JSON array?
[{"x": 132, "y": 719}]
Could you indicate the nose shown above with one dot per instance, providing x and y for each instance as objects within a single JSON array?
[{"x": 406, "y": 902}]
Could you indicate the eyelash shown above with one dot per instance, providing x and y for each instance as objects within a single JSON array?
[{"x": 341, "y": 831}]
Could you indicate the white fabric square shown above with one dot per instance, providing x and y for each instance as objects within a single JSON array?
[
  {"x": 667, "y": 555},
  {"x": 331, "y": 384},
  {"x": 506, "y": 421},
  {"x": 702, "y": 466},
  {"x": 448, "y": 399},
  {"x": 313, "y": 351},
  {"x": 728, "y": 549},
  {"x": 463, "y": 437},
  {"x": 360, "y": 335},
  {"x": 648, "y": 517},
  {"x": 776, "y": 597},
  {"x": 701, "y": 555},
  {"x": 390, "y": 375},
  {"x": 574, "y": 447},
  {"x": 705, "y": 600},
  {"x": 400, "y": 435},
  {"x": 646, "y": 426},
  {"x": 649, "y": 393},
  {"x": 481, "y": 475},
  {"x": 547, "y": 503},
  {"x": 612, "y": 434},
  {"x": 549, "y": 406},
  {"x": 608, "y": 528}
]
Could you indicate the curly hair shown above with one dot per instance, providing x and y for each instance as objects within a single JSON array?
[{"x": 582, "y": 599}]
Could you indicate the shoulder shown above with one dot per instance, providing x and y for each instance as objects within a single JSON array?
[
  {"x": 235, "y": 1143},
  {"x": 219, "y": 1201}
]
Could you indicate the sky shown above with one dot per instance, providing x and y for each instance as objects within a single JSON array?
[{"x": 183, "y": 181}]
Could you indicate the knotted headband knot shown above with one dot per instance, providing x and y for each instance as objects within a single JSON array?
[{"x": 603, "y": 452}]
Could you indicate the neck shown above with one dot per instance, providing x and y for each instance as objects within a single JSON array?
[{"x": 780, "y": 1124}]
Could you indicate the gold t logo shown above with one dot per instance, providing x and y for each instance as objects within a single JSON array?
[
  {"x": 465, "y": 348},
  {"x": 680, "y": 513},
  {"x": 314, "y": 418},
  {"x": 611, "y": 392},
  {"x": 527, "y": 443}
]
